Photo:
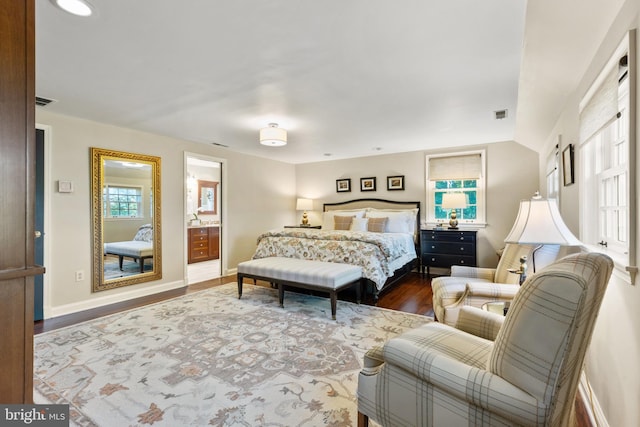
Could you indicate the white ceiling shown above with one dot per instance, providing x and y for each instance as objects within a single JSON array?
[{"x": 346, "y": 78}]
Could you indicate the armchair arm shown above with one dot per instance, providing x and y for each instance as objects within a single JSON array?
[
  {"x": 499, "y": 291},
  {"x": 473, "y": 272},
  {"x": 439, "y": 366},
  {"x": 480, "y": 323}
]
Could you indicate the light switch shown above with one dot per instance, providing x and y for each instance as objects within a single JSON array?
[{"x": 65, "y": 187}]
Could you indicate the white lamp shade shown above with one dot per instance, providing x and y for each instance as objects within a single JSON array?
[
  {"x": 273, "y": 136},
  {"x": 539, "y": 222},
  {"x": 454, "y": 200},
  {"x": 304, "y": 205}
]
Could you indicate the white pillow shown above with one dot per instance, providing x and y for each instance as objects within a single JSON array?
[
  {"x": 327, "y": 217},
  {"x": 359, "y": 224},
  {"x": 399, "y": 221}
]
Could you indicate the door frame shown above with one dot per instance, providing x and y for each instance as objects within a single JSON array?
[
  {"x": 48, "y": 232},
  {"x": 222, "y": 194}
]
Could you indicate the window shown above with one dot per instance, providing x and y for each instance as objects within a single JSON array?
[
  {"x": 605, "y": 127},
  {"x": 456, "y": 173},
  {"x": 553, "y": 173},
  {"x": 122, "y": 201}
]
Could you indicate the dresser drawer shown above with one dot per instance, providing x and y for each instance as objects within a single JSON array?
[
  {"x": 446, "y": 261},
  {"x": 199, "y": 254},
  {"x": 200, "y": 244},
  {"x": 463, "y": 248},
  {"x": 449, "y": 236}
]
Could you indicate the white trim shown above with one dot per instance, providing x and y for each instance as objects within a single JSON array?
[
  {"x": 223, "y": 210},
  {"x": 48, "y": 229},
  {"x": 591, "y": 404},
  {"x": 115, "y": 298}
]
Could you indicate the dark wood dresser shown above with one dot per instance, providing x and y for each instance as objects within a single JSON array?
[
  {"x": 444, "y": 248},
  {"x": 204, "y": 244}
]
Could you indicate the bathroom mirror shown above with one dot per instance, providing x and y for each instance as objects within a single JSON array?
[
  {"x": 207, "y": 197},
  {"x": 125, "y": 194}
]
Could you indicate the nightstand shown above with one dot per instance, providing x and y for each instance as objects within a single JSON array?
[
  {"x": 316, "y": 227},
  {"x": 444, "y": 248}
]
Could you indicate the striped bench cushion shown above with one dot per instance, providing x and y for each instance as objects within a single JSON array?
[{"x": 329, "y": 275}]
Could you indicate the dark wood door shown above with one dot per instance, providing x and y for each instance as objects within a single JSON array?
[{"x": 17, "y": 151}]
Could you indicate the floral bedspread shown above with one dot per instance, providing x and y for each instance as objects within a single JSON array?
[{"x": 379, "y": 254}]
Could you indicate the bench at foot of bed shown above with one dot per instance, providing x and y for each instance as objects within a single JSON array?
[{"x": 305, "y": 274}]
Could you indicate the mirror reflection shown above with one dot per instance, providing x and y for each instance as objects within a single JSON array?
[
  {"x": 126, "y": 215},
  {"x": 207, "y": 197}
]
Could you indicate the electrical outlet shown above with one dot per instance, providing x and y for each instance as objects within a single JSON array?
[{"x": 79, "y": 275}]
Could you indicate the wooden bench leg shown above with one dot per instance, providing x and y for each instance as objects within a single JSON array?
[
  {"x": 363, "y": 420},
  {"x": 334, "y": 303},
  {"x": 281, "y": 294},
  {"x": 120, "y": 258},
  {"x": 240, "y": 278}
]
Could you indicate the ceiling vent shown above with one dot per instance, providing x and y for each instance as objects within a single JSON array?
[
  {"x": 501, "y": 114},
  {"x": 43, "y": 102},
  {"x": 219, "y": 145}
]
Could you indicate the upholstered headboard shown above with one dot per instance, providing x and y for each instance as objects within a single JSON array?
[{"x": 377, "y": 204}]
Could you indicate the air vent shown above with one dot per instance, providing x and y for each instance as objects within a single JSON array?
[
  {"x": 501, "y": 114},
  {"x": 43, "y": 102},
  {"x": 219, "y": 145}
]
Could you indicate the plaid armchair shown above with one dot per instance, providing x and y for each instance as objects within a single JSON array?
[
  {"x": 475, "y": 286},
  {"x": 438, "y": 375}
]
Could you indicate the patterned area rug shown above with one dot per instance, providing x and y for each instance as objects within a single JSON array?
[
  {"x": 129, "y": 267},
  {"x": 209, "y": 358}
]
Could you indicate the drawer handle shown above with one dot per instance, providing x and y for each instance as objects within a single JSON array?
[
  {"x": 461, "y": 261},
  {"x": 433, "y": 259},
  {"x": 462, "y": 249},
  {"x": 433, "y": 247},
  {"x": 462, "y": 238}
]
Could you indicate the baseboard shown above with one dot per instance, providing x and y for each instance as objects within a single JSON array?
[
  {"x": 112, "y": 299},
  {"x": 591, "y": 404}
]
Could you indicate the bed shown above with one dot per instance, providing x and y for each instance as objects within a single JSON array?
[{"x": 379, "y": 235}]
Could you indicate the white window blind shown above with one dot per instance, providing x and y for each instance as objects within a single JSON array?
[
  {"x": 601, "y": 108},
  {"x": 467, "y": 166}
]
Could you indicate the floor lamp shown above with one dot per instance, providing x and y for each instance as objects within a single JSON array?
[{"x": 539, "y": 223}]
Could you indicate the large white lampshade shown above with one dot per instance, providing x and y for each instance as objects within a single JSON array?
[
  {"x": 273, "y": 136},
  {"x": 454, "y": 201},
  {"x": 539, "y": 222}
]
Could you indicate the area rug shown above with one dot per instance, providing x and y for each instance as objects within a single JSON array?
[
  {"x": 210, "y": 358},
  {"x": 129, "y": 267}
]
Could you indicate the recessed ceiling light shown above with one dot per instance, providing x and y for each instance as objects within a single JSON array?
[{"x": 74, "y": 7}]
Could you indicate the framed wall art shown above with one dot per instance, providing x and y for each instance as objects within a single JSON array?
[
  {"x": 395, "y": 182},
  {"x": 368, "y": 184},
  {"x": 343, "y": 185},
  {"x": 567, "y": 165}
]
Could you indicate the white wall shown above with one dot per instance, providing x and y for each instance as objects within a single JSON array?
[
  {"x": 612, "y": 359},
  {"x": 261, "y": 195},
  {"x": 512, "y": 175}
]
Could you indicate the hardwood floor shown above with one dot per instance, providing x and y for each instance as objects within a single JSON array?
[{"x": 411, "y": 295}]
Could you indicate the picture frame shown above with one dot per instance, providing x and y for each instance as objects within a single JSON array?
[
  {"x": 343, "y": 185},
  {"x": 368, "y": 184},
  {"x": 395, "y": 183},
  {"x": 568, "y": 173}
]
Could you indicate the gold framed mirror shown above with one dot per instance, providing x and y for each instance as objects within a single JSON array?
[
  {"x": 125, "y": 202},
  {"x": 207, "y": 197}
]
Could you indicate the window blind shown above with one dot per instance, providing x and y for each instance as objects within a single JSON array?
[
  {"x": 601, "y": 108},
  {"x": 467, "y": 166}
]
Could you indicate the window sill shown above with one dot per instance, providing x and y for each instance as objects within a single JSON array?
[{"x": 620, "y": 263}]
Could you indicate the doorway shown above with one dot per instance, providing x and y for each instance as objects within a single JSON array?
[
  {"x": 204, "y": 209},
  {"x": 41, "y": 218}
]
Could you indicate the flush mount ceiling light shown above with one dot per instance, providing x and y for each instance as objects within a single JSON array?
[
  {"x": 74, "y": 7},
  {"x": 273, "y": 136}
]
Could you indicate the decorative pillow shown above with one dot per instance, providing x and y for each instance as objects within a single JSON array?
[
  {"x": 342, "y": 222},
  {"x": 359, "y": 224},
  {"x": 327, "y": 217},
  {"x": 398, "y": 221},
  {"x": 145, "y": 233},
  {"x": 377, "y": 225}
]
